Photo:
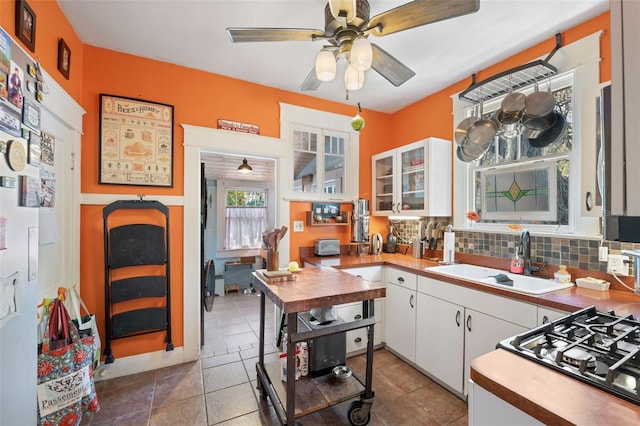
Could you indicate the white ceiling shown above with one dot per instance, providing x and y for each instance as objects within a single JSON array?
[{"x": 192, "y": 33}]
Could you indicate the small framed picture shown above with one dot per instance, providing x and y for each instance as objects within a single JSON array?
[
  {"x": 26, "y": 24},
  {"x": 64, "y": 58}
]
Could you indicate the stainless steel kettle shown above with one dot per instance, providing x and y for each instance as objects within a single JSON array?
[{"x": 376, "y": 244}]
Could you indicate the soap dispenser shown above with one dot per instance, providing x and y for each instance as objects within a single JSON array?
[{"x": 517, "y": 263}]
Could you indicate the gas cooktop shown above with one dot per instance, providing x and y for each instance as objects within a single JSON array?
[{"x": 598, "y": 348}]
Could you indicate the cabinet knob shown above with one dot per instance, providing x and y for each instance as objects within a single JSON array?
[
  {"x": 358, "y": 339},
  {"x": 400, "y": 279},
  {"x": 357, "y": 317}
]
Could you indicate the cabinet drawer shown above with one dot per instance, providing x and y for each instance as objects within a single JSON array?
[
  {"x": 357, "y": 339},
  {"x": 369, "y": 273},
  {"x": 402, "y": 278},
  {"x": 353, "y": 311}
]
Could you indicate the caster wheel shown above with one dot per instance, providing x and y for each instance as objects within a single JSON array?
[{"x": 356, "y": 414}]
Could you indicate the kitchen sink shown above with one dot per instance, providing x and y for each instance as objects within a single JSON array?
[{"x": 500, "y": 279}]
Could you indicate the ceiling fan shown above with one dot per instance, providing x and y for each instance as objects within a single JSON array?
[{"x": 347, "y": 28}]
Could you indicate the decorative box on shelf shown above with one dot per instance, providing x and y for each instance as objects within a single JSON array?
[{"x": 342, "y": 218}]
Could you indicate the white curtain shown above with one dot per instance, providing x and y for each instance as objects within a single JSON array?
[{"x": 244, "y": 227}]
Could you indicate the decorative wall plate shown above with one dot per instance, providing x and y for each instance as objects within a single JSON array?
[{"x": 16, "y": 156}]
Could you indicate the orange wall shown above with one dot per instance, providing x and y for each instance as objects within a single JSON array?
[
  {"x": 201, "y": 102},
  {"x": 51, "y": 25}
]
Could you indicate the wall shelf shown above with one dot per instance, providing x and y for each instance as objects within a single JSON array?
[{"x": 341, "y": 220}]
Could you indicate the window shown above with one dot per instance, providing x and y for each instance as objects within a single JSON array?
[
  {"x": 324, "y": 155},
  {"x": 567, "y": 167},
  {"x": 315, "y": 162},
  {"x": 515, "y": 182},
  {"x": 245, "y": 218}
]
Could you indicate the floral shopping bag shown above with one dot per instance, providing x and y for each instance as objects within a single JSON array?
[{"x": 66, "y": 388}]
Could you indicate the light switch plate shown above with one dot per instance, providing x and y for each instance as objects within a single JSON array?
[
  {"x": 603, "y": 253},
  {"x": 298, "y": 226}
]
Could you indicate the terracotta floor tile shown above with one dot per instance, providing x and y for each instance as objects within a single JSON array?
[
  {"x": 229, "y": 403},
  {"x": 224, "y": 376},
  {"x": 175, "y": 388},
  {"x": 442, "y": 406},
  {"x": 214, "y": 361},
  {"x": 122, "y": 402},
  {"x": 190, "y": 411},
  {"x": 140, "y": 418}
]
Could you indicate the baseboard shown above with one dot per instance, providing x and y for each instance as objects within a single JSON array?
[{"x": 139, "y": 363}]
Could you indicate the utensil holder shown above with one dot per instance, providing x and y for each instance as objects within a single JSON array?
[{"x": 272, "y": 260}]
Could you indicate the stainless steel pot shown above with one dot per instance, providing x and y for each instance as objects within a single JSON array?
[
  {"x": 552, "y": 134},
  {"x": 539, "y": 110},
  {"x": 482, "y": 131}
]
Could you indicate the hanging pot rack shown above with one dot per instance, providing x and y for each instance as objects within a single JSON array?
[{"x": 511, "y": 79}]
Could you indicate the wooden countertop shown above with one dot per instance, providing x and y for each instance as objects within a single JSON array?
[
  {"x": 548, "y": 395},
  {"x": 571, "y": 299},
  {"x": 318, "y": 288}
]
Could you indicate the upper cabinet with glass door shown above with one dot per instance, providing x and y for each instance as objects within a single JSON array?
[{"x": 413, "y": 180}]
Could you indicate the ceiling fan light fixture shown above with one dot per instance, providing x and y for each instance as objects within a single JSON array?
[
  {"x": 361, "y": 54},
  {"x": 343, "y": 10},
  {"x": 245, "y": 167},
  {"x": 353, "y": 79},
  {"x": 325, "y": 66}
]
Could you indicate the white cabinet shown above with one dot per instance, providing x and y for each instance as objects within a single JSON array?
[
  {"x": 456, "y": 324},
  {"x": 481, "y": 334},
  {"x": 440, "y": 339},
  {"x": 357, "y": 339},
  {"x": 414, "y": 179},
  {"x": 546, "y": 315},
  {"x": 400, "y": 312}
]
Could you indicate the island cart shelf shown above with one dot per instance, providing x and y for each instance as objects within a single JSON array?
[{"x": 316, "y": 288}]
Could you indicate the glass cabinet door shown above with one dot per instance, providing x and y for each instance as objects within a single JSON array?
[
  {"x": 383, "y": 169},
  {"x": 413, "y": 179}
]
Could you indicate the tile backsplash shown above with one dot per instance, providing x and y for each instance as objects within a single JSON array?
[{"x": 573, "y": 252}]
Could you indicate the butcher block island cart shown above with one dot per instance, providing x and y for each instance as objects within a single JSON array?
[{"x": 313, "y": 288}]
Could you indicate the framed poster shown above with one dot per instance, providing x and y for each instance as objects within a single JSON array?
[
  {"x": 136, "y": 142},
  {"x": 64, "y": 58},
  {"x": 26, "y": 24}
]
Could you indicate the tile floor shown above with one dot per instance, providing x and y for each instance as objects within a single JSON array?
[{"x": 219, "y": 389}]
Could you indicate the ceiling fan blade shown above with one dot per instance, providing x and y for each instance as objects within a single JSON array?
[
  {"x": 389, "y": 67},
  {"x": 311, "y": 82},
  {"x": 418, "y": 13},
  {"x": 238, "y": 35}
]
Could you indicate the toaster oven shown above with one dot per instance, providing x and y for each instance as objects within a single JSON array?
[{"x": 327, "y": 247}]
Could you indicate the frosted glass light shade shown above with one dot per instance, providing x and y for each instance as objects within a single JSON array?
[
  {"x": 325, "y": 66},
  {"x": 361, "y": 54},
  {"x": 353, "y": 79}
]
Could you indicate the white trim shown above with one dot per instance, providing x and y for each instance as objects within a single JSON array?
[
  {"x": 292, "y": 116},
  {"x": 196, "y": 140},
  {"x": 138, "y": 363}
]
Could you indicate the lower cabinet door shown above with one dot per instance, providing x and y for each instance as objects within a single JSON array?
[
  {"x": 482, "y": 334},
  {"x": 400, "y": 321},
  {"x": 440, "y": 340}
]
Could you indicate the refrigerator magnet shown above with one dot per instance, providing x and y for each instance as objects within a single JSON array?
[{"x": 16, "y": 156}]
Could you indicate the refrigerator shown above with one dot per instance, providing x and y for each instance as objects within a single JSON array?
[{"x": 19, "y": 216}]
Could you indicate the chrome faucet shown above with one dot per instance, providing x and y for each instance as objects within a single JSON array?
[{"x": 525, "y": 242}]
